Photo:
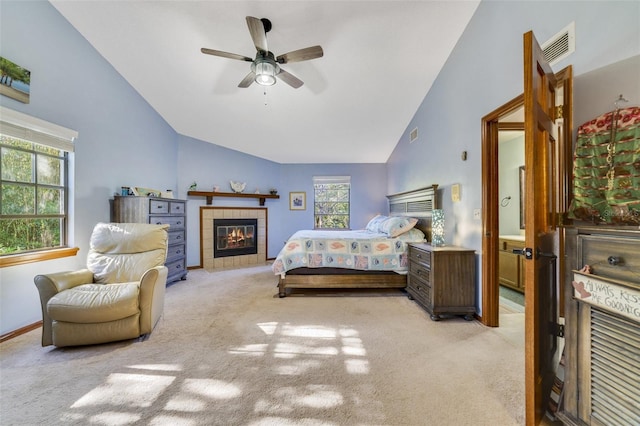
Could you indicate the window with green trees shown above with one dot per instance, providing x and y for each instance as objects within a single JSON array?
[
  {"x": 331, "y": 206},
  {"x": 33, "y": 196}
]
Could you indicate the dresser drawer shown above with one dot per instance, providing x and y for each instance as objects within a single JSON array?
[
  {"x": 419, "y": 256},
  {"x": 174, "y": 222},
  {"x": 176, "y": 237},
  {"x": 175, "y": 267},
  {"x": 176, "y": 207},
  {"x": 175, "y": 252},
  {"x": 158, "y": 207},
  {"x": 616, "y": 257}
]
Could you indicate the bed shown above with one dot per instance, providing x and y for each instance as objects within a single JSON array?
[{"x": 375, "y": 257}]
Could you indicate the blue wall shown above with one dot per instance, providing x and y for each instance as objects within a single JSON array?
[
  {"x": 485, "y": 71},
  {"x": 210, "y": 165},
  {"x": 123, "y": 141}
]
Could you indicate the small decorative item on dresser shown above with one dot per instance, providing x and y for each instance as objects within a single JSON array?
[{"x": 437, "y": 228}]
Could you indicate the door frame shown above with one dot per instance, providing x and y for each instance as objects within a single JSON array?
[
  {"x": 490, "y": 210},
  {"x": 491, "y": 200}
]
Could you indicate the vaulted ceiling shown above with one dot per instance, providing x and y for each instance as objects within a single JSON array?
[{"x": 380, "y": 59}]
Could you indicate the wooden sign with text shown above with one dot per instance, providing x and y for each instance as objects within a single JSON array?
[{"x": 610, "y": 295}]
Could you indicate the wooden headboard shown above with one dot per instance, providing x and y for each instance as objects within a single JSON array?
[{"x": 417, "y": 203}]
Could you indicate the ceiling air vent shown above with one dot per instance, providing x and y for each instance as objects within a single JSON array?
[
  {"x": 413, "y": 135},
  {"x": 560, "y": 45}
]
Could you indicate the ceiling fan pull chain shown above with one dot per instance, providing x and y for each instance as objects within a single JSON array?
[{"x": 265, "y": 96}]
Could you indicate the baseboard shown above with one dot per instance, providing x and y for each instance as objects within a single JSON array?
[{"x": 15, "y": 333}]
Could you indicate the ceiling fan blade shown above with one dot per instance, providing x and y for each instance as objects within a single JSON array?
[
  {"x": 290, "y": 79},
  {"x": 258, "y": 34},
  {"x": 225, "y": 54},
  {"x": 301, "y": 55},
  {"x": 246, "y": 82}
]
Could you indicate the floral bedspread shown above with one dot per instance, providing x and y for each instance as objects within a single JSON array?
[{"x": 357, "y": 249}]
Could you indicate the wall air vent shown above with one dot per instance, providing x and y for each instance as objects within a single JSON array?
[
  {"x": 413, "y": 135},
  {"x": 560, "y": 45}
]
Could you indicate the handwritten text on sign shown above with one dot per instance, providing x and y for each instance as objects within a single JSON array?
[{"x": 607, "y": 295}]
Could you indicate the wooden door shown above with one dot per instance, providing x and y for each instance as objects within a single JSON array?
[{"x": 540, "y": 231}]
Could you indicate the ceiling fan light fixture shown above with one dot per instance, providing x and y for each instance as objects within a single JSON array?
[{"x": 265, "y": 73}]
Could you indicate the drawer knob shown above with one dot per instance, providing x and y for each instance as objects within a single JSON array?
[
  {"x": 418, "y": 255},
  {"x": 614, "y": 260}
]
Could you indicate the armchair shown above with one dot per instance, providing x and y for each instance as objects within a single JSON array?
[{"x": 120, "y": 295}]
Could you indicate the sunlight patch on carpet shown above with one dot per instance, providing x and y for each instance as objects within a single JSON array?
[
  {"x": 293, "y": 350},
  {"x": 257, "y": 349},
  {"x": 316, "y": 331},
  {"x": 357, "y": 366},
  {"x": 126, "y": 390},
  {"x": 268, "y": 327},
  {"x": 158, "y": 367}
]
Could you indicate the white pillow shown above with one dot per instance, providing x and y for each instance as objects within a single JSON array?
[
  {"x": 396, "y": 225},
  {"x": 412, "y": 236},
  {"x": 374, "y": 224}
]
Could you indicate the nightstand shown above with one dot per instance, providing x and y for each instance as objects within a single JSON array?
[{"x": 442, "y": 280}]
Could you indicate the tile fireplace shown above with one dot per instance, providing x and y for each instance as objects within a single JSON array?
[{"x": 232, "y": 236}]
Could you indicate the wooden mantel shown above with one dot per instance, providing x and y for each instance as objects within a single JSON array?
[{"x": 210, "y": 195}]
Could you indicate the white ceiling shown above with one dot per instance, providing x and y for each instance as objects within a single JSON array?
[{"x": 380, "y": 59}]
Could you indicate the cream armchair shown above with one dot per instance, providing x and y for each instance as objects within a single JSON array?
[{"x": 119, "y": 296}]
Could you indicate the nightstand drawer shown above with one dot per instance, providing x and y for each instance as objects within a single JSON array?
[
  {"x": 420, "y": 256},
  {"x": 420, "y": 271},
  {"x": 420, "y": 290}
]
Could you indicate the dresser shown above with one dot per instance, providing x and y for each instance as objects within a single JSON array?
[
  {"x": 442, "y": 280},
  {"x": 159, "y": 211},
  {"x": 602, "y": 326}
]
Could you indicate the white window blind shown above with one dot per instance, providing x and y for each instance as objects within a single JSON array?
[
  {"x": 25, "y": 127},
  {"x": 317, "y": 180}
]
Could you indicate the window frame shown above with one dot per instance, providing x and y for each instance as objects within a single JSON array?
[
  {"x": 331, "y": 180},
  {"x": 17, "y": 125}
]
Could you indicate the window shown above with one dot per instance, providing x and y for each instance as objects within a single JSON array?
[
  {"x": 331, "y": 201},
  {"x": 34, "y": 170}
]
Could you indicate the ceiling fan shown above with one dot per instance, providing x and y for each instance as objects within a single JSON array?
[{"x": 265, "y": 67}]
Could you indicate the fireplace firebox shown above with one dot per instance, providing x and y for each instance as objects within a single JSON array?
[{"x": 235, "y": 237}]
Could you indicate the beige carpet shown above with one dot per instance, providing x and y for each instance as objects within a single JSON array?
[{"x": 228, "y": 351}]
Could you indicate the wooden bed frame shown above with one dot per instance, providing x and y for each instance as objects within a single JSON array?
[{"x": 417, "y": 203}]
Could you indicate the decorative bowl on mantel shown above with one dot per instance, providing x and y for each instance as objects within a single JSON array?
[{"x": 238, "y": 186}]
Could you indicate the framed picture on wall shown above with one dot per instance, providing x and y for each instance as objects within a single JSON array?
[
  {"x": 15, "y": 82},
  {"x": 297, "y": 201}
]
